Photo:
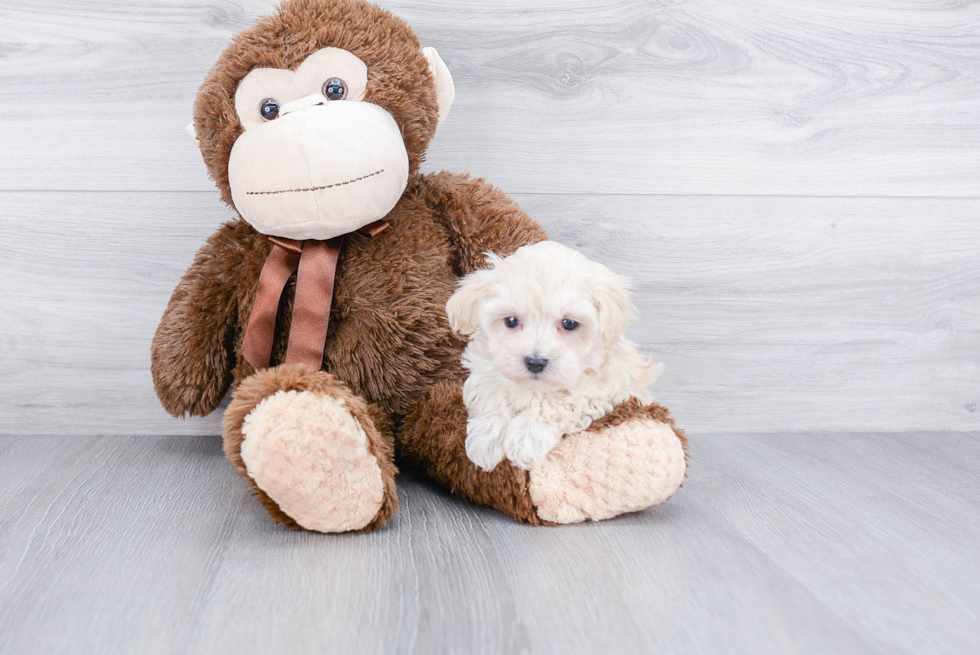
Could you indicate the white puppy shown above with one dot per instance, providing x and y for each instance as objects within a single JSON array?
[{"x": 546, "y": 355}]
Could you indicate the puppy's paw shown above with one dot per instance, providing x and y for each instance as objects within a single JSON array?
[
  {"x": 484, "y": 442},
  {"x": 528, "y": 441}
]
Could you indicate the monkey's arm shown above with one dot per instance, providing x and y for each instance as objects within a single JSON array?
[
  {"x": 192, "y": 353},
  {"x": 480, "y": 218}
]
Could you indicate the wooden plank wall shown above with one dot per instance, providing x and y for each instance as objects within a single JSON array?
[{"x": 793, "y": 188}]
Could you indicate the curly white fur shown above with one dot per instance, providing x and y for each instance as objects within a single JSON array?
[{"x": 519, "y": 309}]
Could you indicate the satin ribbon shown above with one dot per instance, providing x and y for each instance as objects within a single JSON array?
[{"x": 315, "y": 265}]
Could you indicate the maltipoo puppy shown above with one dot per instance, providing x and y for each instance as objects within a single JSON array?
[{"x": 546, "y": 354}]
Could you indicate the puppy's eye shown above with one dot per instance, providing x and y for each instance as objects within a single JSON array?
[
  {"x": 511, "y": 322},
  {"x": 569, "y": 324}
]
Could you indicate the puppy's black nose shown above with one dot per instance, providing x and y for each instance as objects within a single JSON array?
[{"x": 535, "y": 364}]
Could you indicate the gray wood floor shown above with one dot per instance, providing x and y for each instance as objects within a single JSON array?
[{"x": 777, "y": 544}]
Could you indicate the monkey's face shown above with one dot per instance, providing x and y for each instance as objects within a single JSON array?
[
  {"x": 312, "y": 121},
  {"x": 315, "y": 160}
]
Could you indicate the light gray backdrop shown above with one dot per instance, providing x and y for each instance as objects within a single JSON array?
[{"x": 792, "y": 186}]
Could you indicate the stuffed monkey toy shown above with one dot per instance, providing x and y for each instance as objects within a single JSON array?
[{"x": 323, "y": 305}]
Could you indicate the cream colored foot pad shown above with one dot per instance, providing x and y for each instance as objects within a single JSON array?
[
  {"x": 310, "y": 455},
  {"x": 598, "y": 475}
]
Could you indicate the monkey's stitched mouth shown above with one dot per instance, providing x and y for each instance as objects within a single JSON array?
[{"x": 316, "y": 188}]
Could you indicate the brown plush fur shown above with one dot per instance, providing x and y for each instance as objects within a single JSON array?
[
  {"x": 389, "y": 350},
  {"x": 434, "y": 440}
]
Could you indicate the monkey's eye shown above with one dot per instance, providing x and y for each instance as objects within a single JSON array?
[
  {"x": 335, "y": 89},
  {"x": 569, "y": 324},
  {"x": 511, "y": 322},
  {"x": 269, "y": 108}
]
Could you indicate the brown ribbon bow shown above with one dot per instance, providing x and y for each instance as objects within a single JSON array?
[{"x": 315, "y": 264}]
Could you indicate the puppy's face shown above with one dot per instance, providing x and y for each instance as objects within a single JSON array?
[
  {"x": 543, "y": 316},
  {"x": 542, "y": 337}
]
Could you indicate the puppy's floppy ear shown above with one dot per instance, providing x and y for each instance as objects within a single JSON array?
[
  {"x": 611, "y": 295},
  {"x": 463, "y": 307}
]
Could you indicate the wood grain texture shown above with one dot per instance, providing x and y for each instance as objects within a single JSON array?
[
  {"x": 760, "y": 97},
  {"x": 776, "y": 544},
  {"x": 786, "y": 314}
]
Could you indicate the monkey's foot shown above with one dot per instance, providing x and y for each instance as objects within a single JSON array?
[
  {"x": 317, "y": 456},
  {"x": 622, "y": 463},
  {"x": 310, "y": 455}
]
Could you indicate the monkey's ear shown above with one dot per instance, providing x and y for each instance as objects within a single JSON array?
[
  {"x": 191, "y": 131},
  {"x": 445, "y": 89}
]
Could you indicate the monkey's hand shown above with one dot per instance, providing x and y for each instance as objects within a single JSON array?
[{"x": 192, "y": 355}]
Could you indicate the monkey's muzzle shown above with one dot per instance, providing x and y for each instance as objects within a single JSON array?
[{"x": 319, "y": 170}]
